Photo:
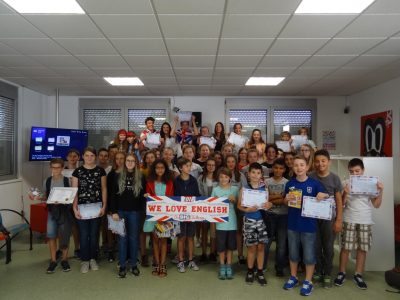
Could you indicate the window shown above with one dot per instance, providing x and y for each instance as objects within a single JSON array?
[
  {"x": 136, "y": 118},
  {"x": 102, "y": 124},
  {"x": 291, "y": 120},
  {"x": 250, "y": 119},
  {"x": 8, "y": 123}
]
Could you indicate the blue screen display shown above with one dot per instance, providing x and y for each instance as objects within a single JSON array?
[{"x": 47, "y": 143}]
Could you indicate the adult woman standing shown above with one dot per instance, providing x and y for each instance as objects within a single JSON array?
[
  {"x": 91, "y": 182},
  {"x": 219, "y": 136},
  {"x": 128, "y": 202}
]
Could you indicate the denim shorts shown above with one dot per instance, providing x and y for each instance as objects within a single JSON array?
[
  {"x": 305, "y": 240},
  {"x": 54, "y": 230}
]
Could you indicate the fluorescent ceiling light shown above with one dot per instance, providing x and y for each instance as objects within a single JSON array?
[
  {"x": 124, "y": 81},
  {"x": 264, "y": 80},
  {"x": 45, "y": 6},
  {"x": 332, "y": 6}
]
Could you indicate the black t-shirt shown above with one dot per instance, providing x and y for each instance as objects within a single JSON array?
[{"x": 89, "y": 184}]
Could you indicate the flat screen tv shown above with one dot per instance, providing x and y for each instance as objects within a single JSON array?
[{"x": 47, "y": 143}]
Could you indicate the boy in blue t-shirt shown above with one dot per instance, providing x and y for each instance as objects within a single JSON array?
[
  {"x": 301, "y": 230},
  {"x": 254, "y": 229}
]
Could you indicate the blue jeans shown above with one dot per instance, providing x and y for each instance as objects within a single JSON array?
[
  {"x": 277, "y": 227},
  {"x": 306, "y": 240},
  {"x": 89, "y": 238},
  {"x": 129, "y": 242}
]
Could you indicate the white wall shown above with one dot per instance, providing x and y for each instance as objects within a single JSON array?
[{"x": 378, "y": 99}]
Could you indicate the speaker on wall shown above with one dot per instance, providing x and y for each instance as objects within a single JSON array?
[{"x": 197, "y": 114}]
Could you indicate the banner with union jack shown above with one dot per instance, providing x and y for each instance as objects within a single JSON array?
[{"x": 187, "y": 209}]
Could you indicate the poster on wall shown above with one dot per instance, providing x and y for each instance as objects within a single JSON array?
[
  {"x": 329, "y": 140},
  {"x": 376, "y": 134}
]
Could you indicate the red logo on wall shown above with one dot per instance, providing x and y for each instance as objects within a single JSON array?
[{"x": 376, "y": 134}]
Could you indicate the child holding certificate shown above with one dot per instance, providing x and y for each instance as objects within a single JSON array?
[
  {"x": 59, "y": 218},
  {"x": 357, "y": 234},
  {"x": 301, "y": 230},
  {"x": 327, "y": 229},
  {"x": 226, "y": 232},
  {"x": 254, "y": 229}
]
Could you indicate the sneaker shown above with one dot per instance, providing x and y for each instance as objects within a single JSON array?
[
  {"x": 52, "y": 267},
  {"x": 317, "y": 278},
  {"x": 203, "y": 258},
  {"x": 307, "y": 288},
  {"x": 327, "y": 282},
  {"x": 93, "y": 265},
  {"x": 212, "y": 257},
  {"x": 122, "y": 273},
  {"x": 110, "y": 257},
  {"x": 229, "y": 272},
  {"x": 192, "y": 265},
  {"x": 222, "y": 272},
  {"x": 279, "y": 273},
  {"x": 65, "y": 266},
  {"x": 261, "y": 278},
  {"x": 241, "y": 260},
  {"x": 175, "y": 260},
  {"x": 291, "y": 283},
  {"x": 84, "y": 267},
  {"x": 250, "y": 277},
  {"x": 181, "y": 267},
  {"x": 340, "y": 279},
  {"x": 135, "y": 271},
  {"x": 58, "y": 255},
  {"x": 360, "y": 282}
]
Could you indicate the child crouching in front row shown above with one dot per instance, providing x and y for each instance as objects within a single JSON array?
[
  {"x": 226, "y": 232},
  {"x": 254, "y": 229}
]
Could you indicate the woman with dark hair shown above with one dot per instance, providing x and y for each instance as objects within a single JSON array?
[
  {"x": 257, "y": 142},
  {"x": 167, "y": 140},
  {"x": 219, "y": 136}
]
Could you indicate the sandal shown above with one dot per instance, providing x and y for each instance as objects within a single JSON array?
[
  {"x": 163, "y": 271},
  {"x": 156, "y": 269}
]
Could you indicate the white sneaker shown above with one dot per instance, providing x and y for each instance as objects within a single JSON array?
[
  {"x": 84, "y": 267},
  {"x": 93, "y": 265},
  {"x": 181, "y": 267},
  {"x": 192, "y": 265}
]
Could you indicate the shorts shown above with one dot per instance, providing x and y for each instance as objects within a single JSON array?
[
  {"x": 188, "y": 229},
  {"x": 356, "y": 236},
  {"x": 226, "y": 240},
  {"x": 302, "y": 240},
  {"x": 63, "y": 230},
  {"x": 254, "y": 232},
  {"x": 148, "y": 226}
]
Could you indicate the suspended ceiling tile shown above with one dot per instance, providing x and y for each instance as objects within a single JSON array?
[
  {"x": 102, "y": 61},
  {"x": 189, "y": 6},
  {"x": 98, "y": 46},
  {"x": 15, "y": 26},
  {"x": 388, "y": 47},
  {"x": 117, "y": 6},
  {"x": 283, "y": 61},
  {"x": 193, "y": 61},
  {"x": 262, "y": 6},
  {"x": 150, "y": 46},
  {"x": 238, "y": 61},
  {"x": 31, "y": 46},
  {"x": 193, "y": 72},
  {"x": 296, "y": 46},
  {"x": 348, "y": 46},
  {"x": 232, "y": 46},
  {"x": 142, "y": 61},
  {"x": 322, "y": 61},
  {"x": 192, "y": 46}
]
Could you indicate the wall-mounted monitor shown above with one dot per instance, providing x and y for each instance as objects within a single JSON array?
[{"x": 47, "y": 143}]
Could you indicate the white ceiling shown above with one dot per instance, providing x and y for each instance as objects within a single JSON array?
[{"x": 207, "y": 47}]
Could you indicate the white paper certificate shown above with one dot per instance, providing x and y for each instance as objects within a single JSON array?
[
  {"x": 153, "y": 138},
  {"x": 62, "y": 195},
  {"x": 185, "y": 116},
  {"x": 67, "y": 172},
  {"x": 90, "y": 211},
  {"x": 364, "y": 185},
  {"x": 208, "y": 141},
  {"x": 299, "y": 140},
  {"x": 117, "y": 227},
  {"x": 312, "y": 208},
  {"x": 252, "y": 198},
  {"x": 236, "y": 140},
  {"x": 284, "y": 145}
]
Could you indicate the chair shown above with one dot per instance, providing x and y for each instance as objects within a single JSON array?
[{"x": 7, "y": 234}]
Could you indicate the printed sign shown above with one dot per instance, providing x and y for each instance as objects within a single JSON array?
[{"x": 187, "y": 209}]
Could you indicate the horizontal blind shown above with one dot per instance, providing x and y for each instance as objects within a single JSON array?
[
  {"x": 294, "y": 118},
  {"x": 7, "y": 136},
  {"x": 137, "y": 117},
  {"x": 250, "y": 119}
]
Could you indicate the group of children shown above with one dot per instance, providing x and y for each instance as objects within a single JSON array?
[{"x": 172, "y": 169}]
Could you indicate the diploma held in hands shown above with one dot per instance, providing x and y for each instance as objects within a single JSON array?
[
  {"x": 62, "y": 195},
  {"x": 251, "y": 198},
  {"x": 312, "y": 208},
  {"x": 299, "y": 140},
  {"x": 236, "y": 140},
  {"x": 364, "y": 185},
  {"x": 90, "y": 211},
  {"x": 284, "y": 145},
  {"x": 208, "y": 141},
  {"x": 185, "y": 116},
  {"x": 153, "y": 138},
  {"x": 117, "y": 227}
]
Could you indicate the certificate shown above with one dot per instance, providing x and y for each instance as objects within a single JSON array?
[
  {"x": 117, "y": 227},
  {"x": 252, "y": 198},
  {"x": 312, "y": 208},
  {"x": 208, "y": 141},
  {"x": 364, "y": 185},
  {"x": 67, "y": 172},
  {"x": 153, "y": 138},
  {"x": 90, "y": 211},
  {"x": 185, "y": 116},
  {"x": 62, "y": 195},
  {"x": 284, "y": 145},
  {"x": 236, "y": 140},
  {"x": 299, "y": 140}
]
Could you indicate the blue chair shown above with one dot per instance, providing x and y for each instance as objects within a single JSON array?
[{"x": 7, "y": 234}]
